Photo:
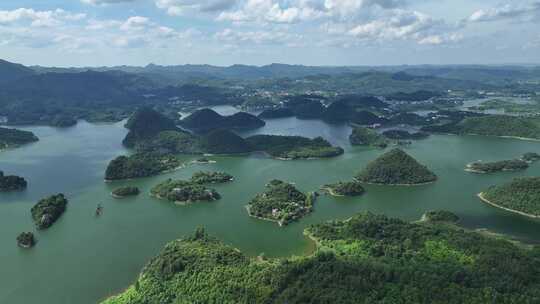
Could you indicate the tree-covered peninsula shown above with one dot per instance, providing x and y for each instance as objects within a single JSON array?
[
  {"x": 493, "y": 125},
  {"x": 498, "y": 166},
  {"x": 125, "y": 192},
  {"x": 365, "y": 259},
  {"x": 11, "y": 183},
  {"x": 293, "y": 147},
  {"x": 521, "y": 195},
  {"x": 396, "y": 168},
  {"x": 183, "y": 192},
  {"x": 208, "y": 177},
  {"x": 206, "y": 119},
  {"x": 140, "y": 165},
  {"x": 281, "y": 203},
  {"x": 145, "y": 124},
  {"x": 353, "y": 188},
  {"x": 362, "y": 136},
  {"x": 530, "y": 157},
  {"x": 13, "y": 138},
  {"x": 47, "y": 211}
]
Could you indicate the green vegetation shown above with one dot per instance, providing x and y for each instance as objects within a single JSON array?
[
  {"x": 140, "y": 165},
  {"x": 11, "y": 183},
  {"x": 222, "y": 141},
  {"x": 171, "y": 142},
  {"x": 530, "y": 157},
  {"x": 125, "y": 192},
  {"x": 366, "y": 259},
  {"x": 440, "y": 216},
  {"x": 281, "y": 203},
  {"x": 63, "y": 121},
  {"x": 145, "y": 124},
  {"x": 47, "y": 211},
  {"x": 202, "y": 177},
  {"x": 396, "y": 168},
  {"x": 12, "y": 138},
  {"x": 293, "y": 147},
  {"x": 498, "y": 166},
  {"x": 521, "y": 195},
  {"x": 183, "y": 192},
  {"x": 500, "y": 125},
  {"x": 361, "y": 136},
  {"x": 508, "y": 106},
  {"x": 207, "y": 119},
  {"x": 353, "y": 188},
  {"x": 26, "y": 240},
  {"x": 404, "y": 135}
]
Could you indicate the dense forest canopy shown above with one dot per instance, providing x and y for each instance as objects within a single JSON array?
[
  {"x": 366, "y": 259},
  {"x": 396, "y": 168},
  {"x": 521, "y": 194}
]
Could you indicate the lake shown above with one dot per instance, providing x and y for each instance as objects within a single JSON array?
[{"x": 83, "y": 259}]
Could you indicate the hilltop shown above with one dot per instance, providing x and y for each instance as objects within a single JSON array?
[
  {"x": 207, "y": 119},
  {"x": 396, "y": 168},
  {"x": 145, "y": 124}
]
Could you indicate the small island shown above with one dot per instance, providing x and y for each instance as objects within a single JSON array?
[
  {"x": 396, "y": 168},
  {"x": 492, "y": 167},
  {"x": 26, "y": 240},
  {"x": 353, "y": 188},
  {"x": 47, "y": 211},
  {"x": 362, "y": 136},
  {"x": 439, "y": 216},
  {"x": 530, "y": 157},
  {"x": 203, "y": 177},
  {"x": 11, "y": 183},
  {"x": 125, "y": 192},
  {"x": 293, "y": 147},
  {"x": 281, "y": 203},
  {"x": 521, "y": 196},
  {"x": 13, "y": 138},
  {"x": 183, "y": 192},
  {"x": 141, "y": 165}
]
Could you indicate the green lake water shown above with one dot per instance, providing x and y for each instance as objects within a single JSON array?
[{"x": 83, "y": 259}]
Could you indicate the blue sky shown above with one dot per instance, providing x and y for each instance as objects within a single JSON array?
[{"x": 311, "y": 32}]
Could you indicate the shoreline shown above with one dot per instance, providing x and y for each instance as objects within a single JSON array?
[
  {"x": 483, "y": 199},
  {"x": 331, "y": 192},
  {"x": 397, "y": 185}
]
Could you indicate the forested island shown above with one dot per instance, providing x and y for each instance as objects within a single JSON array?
[
  {"x": 293, "y": 147},
  {"x": 125, "y": 192},
  {"x": 530, "y": 157},
  {"x": 183, "y": 192},
  {"x": 47, "y": 211},
  {"x": 205, "y": 177},
  {"x": 11, "y": 183},
  {"x": 362, "y": 136},
  {"x": 521, "y": 195},
  {"x": 396, "y": 168},
  {"x": 13, "y": 138},
  {"x": 498, "y": 166},
  {"x": 281, "y": 203},
  {"x": 140, "y": 165},
  {"x": 207, "y": 119},
  {"x": 352, "y": 188},
  {"x": 145, "y": 124},
  {"x": 365, "y": 259},
  {"x": 26, "y": 240}
]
